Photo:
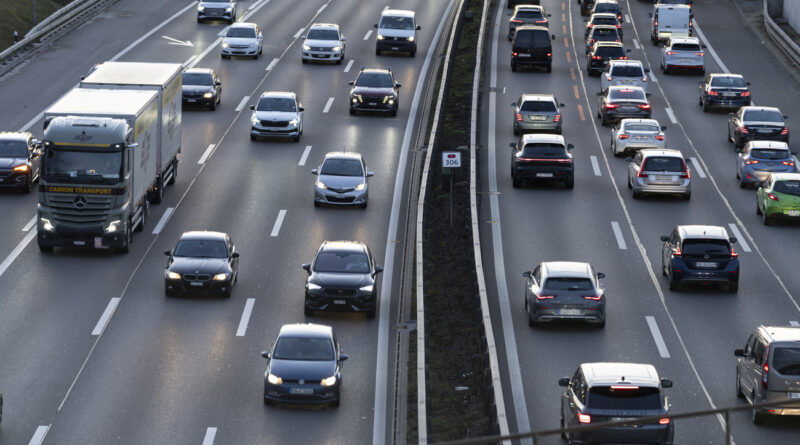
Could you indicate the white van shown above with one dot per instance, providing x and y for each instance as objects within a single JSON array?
[
  {"x": 397, "y": 31},
  {"x": 670, "y": 21}
]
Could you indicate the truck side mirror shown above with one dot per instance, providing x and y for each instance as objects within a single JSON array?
[{"x": 564, "y": 381}]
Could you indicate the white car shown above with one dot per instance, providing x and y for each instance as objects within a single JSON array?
[
  {"x": 242, "y": 39},
  {"x": 278, "y": 114},
  {"x": 624, "y": 72},
  {"x": 324, "y": 43},
  {"x": 634, "y": 134}
]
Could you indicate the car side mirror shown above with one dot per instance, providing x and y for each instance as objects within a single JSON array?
[
  {"x": 512, "y": 145},
  {"x": 168, "y": 252},
  {"x": 314, "y": 171},
  {"x": 561, "y": 105},
  {"x": 570, "y": 146},
  {"x": 663, "y": 128},
  {"x": 666, "y": 383},
  {"x": 650, "y": 14},
  {"x": 526, "y": 274},
  {"x": 629, "y": 159},
  {"x": 370, "y": 174},
  {"x": 664, "y": 238},
  {"x": 785, "y": 116},
  {"x": 513, "y": 104},
  {"x": 375, "y": 25},
  {"x": 564, "y": 381},
  {"x": 601, "y": 275},
  {"x": 418, "y": 27},
  {"x": 301, "y": 109},
  {"x": 343, "y": 357},
  {"x": 549, "y": 15},
  {"x": 647, "y": 70},
  {"x": 253, "y": 107},
  {"x": 344, "y": 39},
  {"x": 732, "y": 239},
  {"x": 599, "y": 94},
  {"x": 217, "y": 83},
  {"x": 378, "y": 269},
  {"x": 747, "y": 83},
  {"x": 703, "y": 46},
  {"x": 397, "y": 85},
  {"x": 350, "y": 83},
  {"x": 265, "y": 354},
  {"x": 307, "y": 267},
  {"x": 303, "y": 37},
  {"x": 552, "y": 36},
  {"x": 627, "y": 50},
  {"x": 738, "y": 352},
  {"x": 235, "y": 255}
]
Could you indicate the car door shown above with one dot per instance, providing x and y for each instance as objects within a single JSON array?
[
  {"x": 759, "y": 356},
  {"x": 745, "y": 367},
  {"x": 742, "y": 157},
  {"x": 733, "y": 122},
  {"x": 576, "y": 399},
  {"x": 35, "y": 159},
  {"x": 634, "y": 166}
]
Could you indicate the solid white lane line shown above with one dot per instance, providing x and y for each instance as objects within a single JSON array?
[
  {"x": 17, "y": 250},
  {"x": 697, "y": 167},
  {"x": 255, "y": 5},
  {"x": 209, "y": 439},
  {"x": 739, "y": 238},
  {"x": 349, "y": 64},
  {"x": 30, "y": 224},
  {"x": 272, "y": 64},
  {"x": 253, "y": 10},
  {"x": 618, "y": 235},
  {"x": 652, "y": 76},
  {"x": 152, "y": 31},
  {"x": 662, "y": 347},
  {"x": 671, "y": 115},
  {"x": 248, "y": 309},
  {"x": 101, "y": 323},
  {"x": 205, "y": 52},
  {"x": 189, "y": 60},
  {"x": 38, "y": 436},
  {"x": 636, "y": 44},
  {"x": 322, "y": 8},
  {"x": 328, "y": 105},
  {"x": 595, "y": 165},
  {"x": 369, "y": 33},
  {"x": 794, "y": 323},
  {"x": 299, "y": 32},
  {"x": 277, "y": 227},
  {"x": 163, "y": 221},
  {"x": 305, "y": 155},
  {"x": 206, "y": 154},
  {"x": 710, "y": 48},
  {"x": 242, "y": 104}
]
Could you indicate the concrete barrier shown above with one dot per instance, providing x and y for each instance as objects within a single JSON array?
[{"x": 780, "y": 37}]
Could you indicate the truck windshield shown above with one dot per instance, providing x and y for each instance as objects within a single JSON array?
[{"x": 83, "y": 166}]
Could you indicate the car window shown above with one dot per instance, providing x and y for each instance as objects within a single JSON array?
[
  {"x": 374, "y": 80},
  {"x": 762, "y": 116},
  {"x": 530, "y": 14},
  {"x": 624, "y": 397},
  {"x": 303, "y": 348},
  {"x": 322, "y": 34},
  {"x": 341, "y": 262},
  {"x": 610, "y": 51},
  {"x": 276, "y": 104},
  {"x": 544, "y": 151},
  {"x": 626, "y": 94},
  {"x": 537, "y": 274},
  {"x": 532, "y": 37},
  {"x": 394, "y": 22},
  {"x": 606, "y": 7},
  {"x": 579, "y": 386},
  {"x": 627, "y": 71},
  {"x": 13, "y": 149},
  {"x": 604, "y": 32},
  {"x": 786, "y": 360},
  {"x": 705, "y": 247},
  {"x": 538, "y": 105},
  {"x": 724, "y": 81},
  {"x": 197, "y": 79},
  {"x": 642, "y": 127},
  {"x": 568, "y": 283},
  {"x": 605, "y": 21},
  {"x": 241, "y": 32},
  {"x": 748, "y": 348},
  {"x": 638, "y": 158},
  {"x": 201, "y": 249},
  {"x": 759, "y": 353},
  {"x": 769, "y": 153},
  {"x": 686, "y": 47},
  {"x": 342, "y": 167},
  {"x": 788, "y": 187},
  {"x": 663, "y": 164}
]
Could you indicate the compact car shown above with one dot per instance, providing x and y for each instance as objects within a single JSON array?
[
  {"x": 564, "y": 290},
  {"x": 278, "y": 114},
  {"x": 724, "y": 90},
  {"x": 779, "y": 198},
  {"x": 242, "y": 39},
  {"x": 700, "y": 254},
  {"x": 630, "y": 135},
  {"x": 620, "y": 102},
  {"x": 201, "y": 86},
  {"x": 526, "y": 15},
  {"x": 375, "y": 90},
  {"x": 323, "y": 43},
  {"x": 601, "y": 33},
  {"x": 759, "y": 159},
  {"x": 20, "y": 160},
  {"x": 608, "y": 7},
  {"x": 659, "y": 171},
  {"x": 537, "y": 113},
  {"x": 342, "y": 180},
  {"x": 542, "y": 157},
  {"x": 203, "y": 262}
]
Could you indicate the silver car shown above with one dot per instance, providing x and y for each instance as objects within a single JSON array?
[
  {"x": 659, "y": 171},
  {"x": 536, "y": 113},
  {"x": 242, "y": 39},
  {"x": 564, "y": 290},
  {"x": 624, "y": 72},
  {"x": 634, "y": 134},
  {"x": 526, "y": 15},
  {"x": 278, "y": 114},
  {"x": 759, "y": 159},
  {"x": 683, "y": 53},
  {"x": 342, "y": 180},
  {"x": 324, "y": 42}
]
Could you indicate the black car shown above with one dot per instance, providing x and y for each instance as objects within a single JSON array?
[
  {"x": 542, "y": 157},
  {"x": 700, "y": 254},
  {"x": 601, "y": 53},
  {"x": 342, "y": 278},
  {"x": 586, "y": 6},
  {"x": 724, "y": 90},
  {"x": 757, "y": 124},
  {"x": 622, "y": 101},
  {"x": 608, "y": 7},
  {"x": 601, "y": 33},
  {"x": 20, "y": 160},
  {"x": 201, "y": 86},
  {"x": 602, "y": 19},
  {"x": 304, "y": 365},
  {"x": 202, "y": 262},
  {"x": 532, "y": 46},
  {"x": 374, "y": 90}
]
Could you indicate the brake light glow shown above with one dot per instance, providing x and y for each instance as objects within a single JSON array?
[
  {"x": 734, "y": 254},
  {"x": 655, "y": 23},
  {"x": 545, "y": 297},
  {"x": 593, "y": 297},
  {"x": 541, "y": 21},
  {"x": 557, "y": 118},
  {"x": 677, "y": 252},
  {"x": 622, "y": 58},
  {"x": 624, "y": 387},
  {"x": 641, "y": 174},
  {"x": 766, "y": 370},
  {"x": 623, "y": 136},
  {"x": 584, "y": 418},
  {"x": 789, "y": 163},
  {"x": 514, "y": 54},
  {"x": 519, "y": 117},
  {"x": 685, "y": 174},
  {"x": 745, "y": 94},
  {"x": 644, "y": 106},
  {"x": 591, "y": 25},
  {"x": 516, "y": 21},
  {"x": 773, "y": 196},
  {"x": 659, "y": 137},
  {"x": 751, "y": 161},
  {"x": 597, "y": 57},
  {"x": 671, "y": 53},
  {"x": 611, "y": 106},
  {"x": 549, "y": 54},
  {"x": 591, "y": 42},
  {"x": 699, "y": 54},
  {"x": 664, "y": 421},
  {"x": 785, "y": 131},
  {"x": 743, "y": 130},
  {"x": 712, "y": 93}
]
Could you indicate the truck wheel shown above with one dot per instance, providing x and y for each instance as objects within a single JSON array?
[
  {"x": 128, "y": 237},
  {"x": 158, "y": 195}
]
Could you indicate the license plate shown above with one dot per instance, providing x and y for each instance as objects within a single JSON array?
[
  {"x": 687, "y": 61},
  {"x": 705, "y": 264},
  {"x": 663, "y": 178},
  {"x": 79, "y": 243},
  {"x": 395, "y": 48},
  {"x": 191, "y": 100},
  {"x": 195, "y": 283},
  {"x": 625, "y": 81},
  {"x": 339, "y": 302},
  {"x": 372, "y": 104},
  {"x": 569, "y": 311},
  {"x": 538, "y": 118},
  {"x": 544, "y": 175},
  {"x": 730, "y": 94},
  {"x": 793, "y": 395},
  {"x": 523, "y": 55},
  {"x": 302, "y": 391},
  {"x": 641, "y": 138},
  {"x": 793, "y": 212}
]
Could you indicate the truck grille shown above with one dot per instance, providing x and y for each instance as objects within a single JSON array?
[{"x": 94, "y": 211}]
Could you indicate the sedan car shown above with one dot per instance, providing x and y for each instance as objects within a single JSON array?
[
  {"x": 278, "y": 114},
  {"x": 602, "y": 54},
  {"x": 700, "y": 254},
  {"x": 684, "y": 53},
  {"x": 537, "y": 112},
  {"x": 619, "y": 102},
  {"x": 634, "y": 134},
  {"x": 202, "y": 262},
  {"x": 526, "y": 15},
  {"x": 242, "y": 39},
  {"x": 624, "y": 72},
  {"x": 542, "y": 157},
  {"x": 342, "y": 278},
  {"x": 602, "y": 33},
  {"x": 304, "y": 365},
  {"x": 201, "y": 86},
  {"x": 779, "y": 197},
  {"x": 374, "y": 90},
  {"x": 20, "y": 160},
  {"x": 759, "y": 159},
  {"x": 659, "y": 171},
  {"x": 602, "y": 19},
  {"x": 323, "y": 42},
  {"x": 757, "y": 123},
  {"x": 216, "y": 10},
  {"x": 564, "y": 290},
  {"x": 723, "y": 90},
  {"x": 342, "y": 180}
]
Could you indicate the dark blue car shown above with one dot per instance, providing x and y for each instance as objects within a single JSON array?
[{"x": 700, "y": 255}]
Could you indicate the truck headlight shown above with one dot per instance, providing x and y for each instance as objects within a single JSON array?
[
  {"x": 321, "y": 185},
  {"x": 113, "y": 226},
  {"x": 46, "y": 225},
  {"x": 329, "y": 381},
  {"x": 22, "y": 168},
  {"x": 275, "y": 380},
  {"x": 361, "y": 186},
  {"x": 411, "y": 39},
  {"x": 221, "y": 276},
  {"x": 173, "y": 275},
  {"x": 365, "y": 288},
  {"x": 208, "y": 95},
  {"x": 380, "y": 37}
]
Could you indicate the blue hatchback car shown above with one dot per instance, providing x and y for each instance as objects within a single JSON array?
[
  {"x": 701, "y": 255},
  {"x": 759, "y": 159}
]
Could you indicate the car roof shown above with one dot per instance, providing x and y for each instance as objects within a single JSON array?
[
  {"x": 667, "y": 152},
  {"x": 283, "y": 94},
  {"x": 538, "y": 97},
  {"x": 776, "y": 145},
  {"x": 607, "y": 44},
  {"x": 306, "y": 330},
  {"x": 243, "y": 25},
  {"x": 609, "y": 27},
  {"x": 700, "y": 231},
  {"x": 532, "y": 138},
  {"x": 781, "y": 333},
  {"x": 343, "y": 155},
  {"x": 606, "y": 373},
  {"x": 376, "y": 69},
  {"x": 203, "y": 235},
  {"x": 344, "y": 246},
  {"x": 786, "y": 176},
  {"x": 397, "y": 12},
  {"x": 726, "y": 75},
  {"x": 15, "y": 135},
  {"x": 324, "y": 25},
  {"x": 198, "y": 70},
  {"x": 684, "y": 40},
  {"x": 753, "y": 107},
  {"x": 625, "y": 62},
  {"x": 567, "y": 269},
  {"x": 529, "y": 8},
  {"x": 630, "y": 120}
]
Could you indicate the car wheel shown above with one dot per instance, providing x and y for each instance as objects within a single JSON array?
[
  {"x": 304, "y": 61},
  {"x": 516, "y": 182},
  {"x": 377, "y": 52},
  {"x": 742, "y": 184},
  {"x": 549, "y": 68},
  {"x": 513, "y": 67},
  {"x": 663, "y": 268},
  {"x": 307, "y": 311},
  {"x": 412, "y": 53},
  {"x": 296, "y": 138},
  {"x": 533, "y": 323},
  {"x": 737, "y": 142},
  {"x": 758, "y": 418},
  {"x": 45, "y": 248},
  {"x": 225, "y": 56},
  {"x": 339, "y": 62},
  {"x": 516, "y": 131},
  {"x": 758, "y": 209},
  {"x": 317, "y": 204},
  {"x": 268, "y": 402},
  {"x": 705, "y": 107},
  {"x": 739, "y": 392},
  {"x": 603, "y": 120},
  {"x": 733, "y": 288},
  {"x": 168, "y": 293},
  {"x": 253, "y": 137},
  {"x": 673, "y": 284},
  {"x": 630, "y": 186},
  {"x": 394, "y": 112},
  {"x": 227, "y": 293},
  {"x": 28, "y": 185},
  {"x": 364, "y": 206},
  {"x": 569, "y": 184},
  {"x": 335, "y": 403},
  {"x": 352, "y": 111},
  {"x": 601, "y": 325},
  {"x": 256, "y": 56},
  {"x": 636, "y": 194},
  {"x": 765, "y": 218},
  {"x": 213, "y": 105},
  {"x": 563, "y": 434}
]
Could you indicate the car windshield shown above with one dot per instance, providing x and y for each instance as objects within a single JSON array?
[
  {"x": 276, "y": 104},
  {"x": 627, "y": 71},
  {"x": 323, "y": 34},
  {"x": 642, "y": 127},
  {"x": 198, "y": 79},
  {"x": 342, "y": 262},
  {"x": 71, "y": 165},
  {"x": 788, "y": 187},
  {"x": 13, "y": 149},
  {"x": 604, "y": 33},
  {"x": 604, "y": 21},
  {"x": 342, "y": 167},
  {"x": 568, "y": 283},
  {"x": 529, "y": 14},
  {"x": 725, "y": 81},
  {"x": 763, "y": 116},
  {"x": 395, "y": 22},
  {"x": 544, "y": 151},
  {"x": 686, "y": 47},
  {"x": 633, "y": 398},
  {"x": 786, "y": 360},
  {"x": 610, "y": 52},
  {"x": 538, "y": 105},
  {"x": 626, "y": 94},
  {"x": 197, "y": 248},
  {"x": 303, "y": 348},
  {"x": 532, "y": 38},
  {"x": 241, "y": 32},
  {"x": 705, "y": 247},
  {"x": 769, "y": 153},
  {"x": 374, "y": 80},
  {"x": 663, "y": 164},
  {"x": 606, "y": 7}
]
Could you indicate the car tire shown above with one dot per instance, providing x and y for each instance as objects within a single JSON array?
[
  {"x": 303, "y": 60},
  {"x": 601, "y": 325},
  {"x": 673, "y": 285},
  {"x": 308, "y": 312},
  {"x": 765, "y": 218},
  {"x": 296, "y": 138},
  {"x": 28, "y": 185},
  {"x": 733, "y": 288},
  {"x": 513, "y": 67},
  {"x": 393, "y": 113},
  {"x": 255, "y": 57},
  {"x": 742, "y": 184},
  {"x": 739, "y": 393},
  {"x": 569, "y": 183},
  {"x": 213, "y": 105},
  {"x": 268, "y": 402},
  {"x": 336, "y": 403},
  {"x": 168, "y": 293},
  {"x": 663, "y": 269},
  {"x": 352, "y": 111},
  {"x": 253, "y": 137},
  {"x": 227, "y": 293},
  {"x": 516, "y": 182},
  {"x": 377, "y": 52},
  {"x": 758, "y": 418},
  {"x": 758, "y": 209},
  {"x": 317, "y": 204},
  {"x": 224, "y": 56},
  {"x": 339, "y": 62},
  {"x": 533, "y": 323},
  {"x": 603, "y": 120},
  {"x": 45, "y": 248},
  {"x": 636, "y": 194},
  {"x": 549, "y": 68},
  {"x": 364, "y": 206},
  {"x": 630, "y": 186},
  {"x": 412, "y": 53},
  {"x": 705, "y": 107},
  {"x": 563, "y": 434}
]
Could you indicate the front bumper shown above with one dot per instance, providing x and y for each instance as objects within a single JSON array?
[
  {"x": 376, "y": 104},
  {"x": 183, "y": 286},
  {"x": 230, "y": 51},
  {"x": 274, "y": 132},
  {"x": 198, "y": 100},
  {"x": 93, "y": 238},
  {"x": 302, "y": 394},
  {"x": 388, "y": 44},
  {"x": 14, "y": 180},
  {"x": 209, "y": 14},
  {"x": 322, "y": 56},
  {"x": 327, "y": 196},
  {"x": 358, "y": 302}
]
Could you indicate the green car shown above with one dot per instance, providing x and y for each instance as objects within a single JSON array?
[{"x": 779, "y": 197}]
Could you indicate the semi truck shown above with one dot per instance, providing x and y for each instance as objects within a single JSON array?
[{"x": 99, "y": 168}]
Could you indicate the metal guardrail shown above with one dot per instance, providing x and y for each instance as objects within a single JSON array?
[{"x": 780, "y": 37}]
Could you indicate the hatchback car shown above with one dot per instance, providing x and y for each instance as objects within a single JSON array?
[
  {"x": 724, "y": 90},
  {"x": 342, "y": 277},
  {"x": 375, "y": 90},
  {"x": 700, "y": 254},
  {"x": 779, "y": 197},
  {"x": 242, "y": 39},
  {"x": 532, "y": 47},
  {"x": 602, "y": 19},
  {"x": 216, "y": 10},
  {"x": 278, "y": 114},
  {"x": 323, "y": 42},
  {"x": 620, "y": 102},
  {"x": 601, "y": 33},
  {"x": 634, "y": 134},
  {"x": 537, "y": 112},
  {"x": 202, "y": 262},
  {"x": 616, "y": 392},
  {"x": 526, "y": 15},
  {"x": 20, "y": 160},
  {"x": 757, "y": 123},
  {"x": 608, "y": 7},
  {"x": 684, "y": 53},
  {"x": 659, "y": 171},
  {"x": 304, "y": 365},
  {"x": 564, "y": 290},
  {"x": 768, "y": 371},
  {"x": 624, "y": 72},
  {"x": 341, "y": 180},
  {"x": 603, "y": 53},
  {"x": 201, "y": 86},
  {"x": 759, "y": 159},
  {"x": 542, "y": 157}
]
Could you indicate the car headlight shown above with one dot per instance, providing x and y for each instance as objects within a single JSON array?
[
  {"x": 312, "y": 286},
  {"x": 46, "y": 225},
  {"x": 330, "y": 381},
  {"x": 357, "y": 97},
  {"x": 208, "y": 95},
  {"x": 293, "y": 122},
  {"x": 380, "y": 37},
  {"x": 306, "y": 48},
  {"x": 201, "y": 8},
  {"x": 411, "y": 39},
  {"x": 173, "y": 275},
  {"x": 113, "y": 226},
  {"x": 336, "y": 48},
  {"x": 229, "y": 9},
  {"x": 361, "y": 186},
  {"x": 221, "y": 276},
  {"x": 365, "y": 288},
  {"x": 226, "y": 45},
  {"x": 22, "y": 168},
  {"x": 321, "y": 185},
  {"x": 254, "y": 120},
  {"x": 275, "y": 380}
]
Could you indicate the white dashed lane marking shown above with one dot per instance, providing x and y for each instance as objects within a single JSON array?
[
  {"x": 328, "y": 105},
  {"x": 349, "y": 65},
  {"x": 671, "y": 115},
  {"x": 618, "y": 235},
  {"x": 369, "y": 33},
  {"x": 739, "y": 238},
  {"x": 242, "y": 104},
  {"x": 636, "y": 44},
  {"x": 101, "y": 324},
  {"x": 210, "y": 434},
  {"x": 299, "y": 32},
  {"x": 248, "y": 309},
  {"x": 163, "y": 221},
  {"x": 697, "y": 167},
  {"x": 662, "y": 347},
  {"x": 30, "y": 224},
  {"x": 272, "y": 64},
  {"x": 206, "y": 154},
  {"x": 595, "y": 165},
  {"x": 652, "y": 76},
  {"x": 305, "y": 155},
  {"x": 39, "y": 435},
  {"x": 277, "y": 227}
]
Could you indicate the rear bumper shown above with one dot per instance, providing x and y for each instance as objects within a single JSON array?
[
  {"x": 544, "y": 173},
  {"x": 537, "y": 126},
  {"x": 668, "y": 189},
  {"x": 531, "y": 61},
  {"x": 661, "y": 434},
  {"x": 682, "y": 274},
  {"x": 732, "y": 102}
]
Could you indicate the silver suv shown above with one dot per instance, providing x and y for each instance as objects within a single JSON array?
[
  {"x": 278, "y": 114},
  {"x": 537, "y": 112},
  {"x": 659, "y": 171},
  {"x": 683, "y": 53},
  {"x": 768, "y": 370},
  {"x": 624, "y": 72},
  {"x": 564, "y": 290},
  {"x": 324, "y": 42}
]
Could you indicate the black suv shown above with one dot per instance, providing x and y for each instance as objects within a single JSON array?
[
  {"x": 542, "y": 157},
  {"x": 700, "y": 254},
  {"x": 20, "y": 160},
  {"x": 532, "y": 46},
  {"x": 601, "y": 53},
  {"x": 586, "y": 6},
  {"x": 374, "y": 90},
  {"x": 201, "y": 86}
]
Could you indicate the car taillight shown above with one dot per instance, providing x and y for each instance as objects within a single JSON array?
[
  {"x": 644, "y": 106},
  {"x": 623, "y": 136},
  {"x": 644, "y": 79},
  {"x": 734, "y": 254},
  {"x": 789, "y": 163},
  {"x": 686, "y": 174},
  {"x": 773, "y": 196},
  {"x": 611, "y": 106},
  {"x": 557, "y": 118},
  {"x": 516, "y": 21},
  {"x": 785, "y": 131},
  {"x": 712, "y": 93},
  {"x": 545, "y": 297},
  {"x": 591, "y": 25},
  {"x": 591, "y": 42},
  {"x": 584, "y": 418},
  {"x": 514, "y": 53},
  {"x": 622, "y": 58},
  {"x": 549, "y": 54},
  {"x": 751, "y": 161},
  {"x": 677, "y": 252},
  {"x": 766, "y": 370},
  {"x": 597, "y": 57},
  {"x": 655, "y": 23},
  {"x": 541, "y": 21},
  {"x": 618, "y": 26},
  {"x": 671, "y": 53},
  {"x": 519, "y": 117},
  {"x": 664, "y": 421},
  {"x": 593, "y": 297},
  {"x": 641, "y": 174},
  {"x": 610, "y": 78},
  {"x": 698, "y": 54},
  {"x": 745, "y": 94},
  {"x": 743, "y": 130},
  {"x": 660, "y": 137}
]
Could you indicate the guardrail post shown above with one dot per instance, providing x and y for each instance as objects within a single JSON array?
[{"x": 728, "y": 433}]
